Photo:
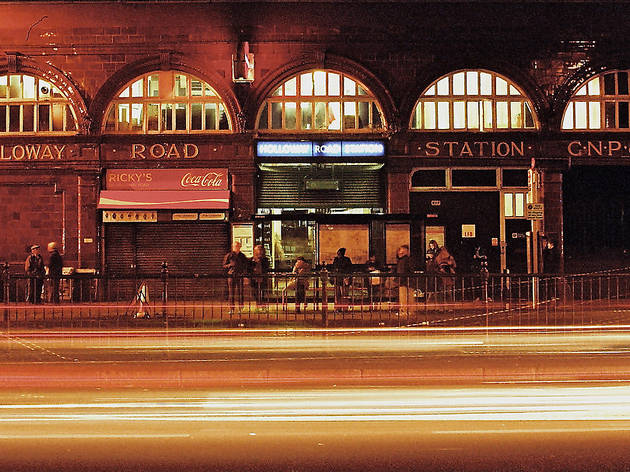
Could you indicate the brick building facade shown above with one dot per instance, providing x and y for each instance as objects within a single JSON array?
[{"x": 53, "y": 175}]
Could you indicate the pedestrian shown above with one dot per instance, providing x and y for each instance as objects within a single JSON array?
[
  {"x": 342, "y": 268},
  {"x": 260, "y": 281},
  {"x": 372, "y": 282},
  {"x": 551, "y": 257},
  {"x": 403, "y": 270},
  {"x": 301, "y": 270},
  {"x": 34, "y": 268},
  {"x": 55, "y": 267},
  {"x": 235, "y": 264},
  {"x": 446, "y": 266}
]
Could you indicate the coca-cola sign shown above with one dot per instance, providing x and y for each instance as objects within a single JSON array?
[{"x": 166, "y": 179}]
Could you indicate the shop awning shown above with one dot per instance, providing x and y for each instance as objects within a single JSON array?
[{"x": 164, "y": 199}]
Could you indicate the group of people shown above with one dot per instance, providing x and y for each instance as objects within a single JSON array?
[{"x": 36, "y": 269}]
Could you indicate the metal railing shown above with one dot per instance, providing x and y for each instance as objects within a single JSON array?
[{"x": 322, "y": 298}]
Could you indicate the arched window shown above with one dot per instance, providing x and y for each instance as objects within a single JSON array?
[
  {"x": 320, "y": 100},
  {"x": 601, "y": 103},
  {"x": 167, "y": 102},
  {"x": 31, "y": 104},
  {"x": 473, "y": 100}
]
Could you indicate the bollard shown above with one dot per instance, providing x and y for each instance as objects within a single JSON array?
[{"x": 164, "y": 274}]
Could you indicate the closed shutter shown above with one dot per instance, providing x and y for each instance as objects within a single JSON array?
[
  {"x": 120, "y": 256},
  {"x": 360, "y": 186}
]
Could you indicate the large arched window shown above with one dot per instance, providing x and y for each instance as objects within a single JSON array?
[
  {"x": 31, "y": 104},
  {"x": 167, "y": 102},
  {"x": 473, "y": 100},
  {"x": 601, "y": 103},
  {"x": 320, "y": 100}
]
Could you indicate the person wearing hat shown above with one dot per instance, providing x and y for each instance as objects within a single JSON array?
[
  {"x": 35, "y": 270},
  {"x": 55, "y": 266}
]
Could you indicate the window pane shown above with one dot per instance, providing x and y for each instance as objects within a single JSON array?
[
  {"x": 306, "y": 84},
  {"x": 289, "y": 115},
  {"x": 361, "y": 90},
  {"x": 416, "y": 119},
  {"x": 57, "y": 116},
  {"x": 14, "y": 118},
  {"x": 167, "y": 116},
  {"x": 459, "y": 115},
  {"x": 320, "y": 115},
  {"x": 276, "y": 116},
  {"x": 3, "y": 87},
  {"x": 516, "y": 118},
  {"x": 263, "y": 122},
  {"x": 529, "y": 116},
  {"x": 622, "y": 83},
  {"x": 515, "y": 177},
  {"x": 71, "y": 124},
  {"x": 580, "y": 115},
  {"x": 364, "y": 115},
  {"x": 609, "y": 115},
  {"x": 44, "y": 89},
  {"x": 594, "y": 115},
  {"x": 154, "y": 85},
  {"x": 349, "y": 86},
  {"x": 581, "y": 91},
  {"x": 593, "y": 86},
  {"x": 123, "y": 117},
  {"x": 28, "y": 117},
  {"x": 136, "y": 117},
  {"x": 429, "y": 115},
  {"x": 181, "y": 87},
  {"x": 15, "y": 86},
  {"x": 196, "y": 114},
  {"x": 474, "y": 178},
  {"x": 29, "y": 87},
  {"x": 514, "y": 90},
  {"x": 472, "y": 83},
  {"x": 334, "y": 115},
  {"x": 458, "y": 84},
  {"x": 334, "y": 84},
  {"x": 430, "y": 90},
  {"x": 444, "y": 121},
  {"x": 43, "y": 113},
  {"x": 473, "y": 115},
  {"x": 377, "y": 122},
  {"x": 224, "y": 122},
  {"x": 290, "y": 87},
  {"x": 487, "y": 114},
  {"x": 56, "y": 92},
  {"x": 153, "y": 113},
  {"x": 277, "y": 92},
  {"x": 196, "y": 88},
  {"x": 501, "y": 86},
  {"x": 180, "y": 117},
  {"x": 486, "y": 83},
  {"x": 3, "y": 118},
  {"x": 210, "y": 92},
  {"x": 519, "y": 205},
  {"x": 319, "y": 78},
  {"x": 623, "y": 115},
  {"x": 567, "y": 121},
  {"x": 136, "y": 88},
  {"x": 502, "y": 114},
  {"x": 124, "y": 93},
  {"x": 429, "y": 178},
  {"x": 442, "y": 86},
  {"x": 349, "y": 112},
  {"x": 609, "y": 84},
  {"x": 211, "y": 116},
  {"x": 508, "y": 203},
  {"x": 307, "y": 115}
]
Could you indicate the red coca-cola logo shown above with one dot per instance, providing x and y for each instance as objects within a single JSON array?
[{"x": 210, "y": 179}]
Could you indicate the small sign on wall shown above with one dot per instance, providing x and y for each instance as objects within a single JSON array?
[{"x": 468, "y": 231}]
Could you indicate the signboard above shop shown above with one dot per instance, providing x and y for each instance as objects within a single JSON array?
[
  {"x": 320, "y": 149},
  {"x": 166, "y": 179}
]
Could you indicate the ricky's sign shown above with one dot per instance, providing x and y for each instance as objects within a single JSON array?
[
  {"x": 32, "y": 152},
  {"x": 166, "y": 179}
]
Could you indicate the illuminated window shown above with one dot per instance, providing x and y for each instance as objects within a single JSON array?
[
  {"x": 473, "y": 101},
  {"x": 33, "y": 105},
  {"x": 514, "y": 204},
  {"x": 320, "y": 100},
  {"x": 603, "y": 102},
  {"x": 167, "y": 102}
]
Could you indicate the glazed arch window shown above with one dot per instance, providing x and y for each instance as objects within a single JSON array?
[
  {"x": 168, "y": 102},
  {"x": 321, "y": 100},
  {"x": 473, "y": 100},
  {"x": 602, "y": 103},
  {"x": 32, "y": 105}
]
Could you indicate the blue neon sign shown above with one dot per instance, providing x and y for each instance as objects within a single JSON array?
[{"x": 320, "y": 148}]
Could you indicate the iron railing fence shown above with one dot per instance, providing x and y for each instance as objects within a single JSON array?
[{"x": 356, "y": 299}]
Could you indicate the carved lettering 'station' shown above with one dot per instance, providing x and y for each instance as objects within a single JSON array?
[
  {"x": 164, "y": 151},
  {"x": 32, "y": 152}
]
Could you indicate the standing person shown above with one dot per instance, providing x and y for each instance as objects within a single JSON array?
[
  {"x": 34, "y": 268},
  {"x": 342, "y": 266},
  {"x": 403, "y": 269},
  {"x": 55, "y": 266},
  {"x": 301, "y": 269},
  {"x": 431, "y": 269},
  {"x": 235, "y": 264},
  {"x": 373, "y": 282},
  {"x": 551, "y": 257},
  {"x": 260, "y": 281},
  {"x": 446, "y": 269}
]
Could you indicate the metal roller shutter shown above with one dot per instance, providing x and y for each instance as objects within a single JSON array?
[{"x": 120, "y": 254}]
